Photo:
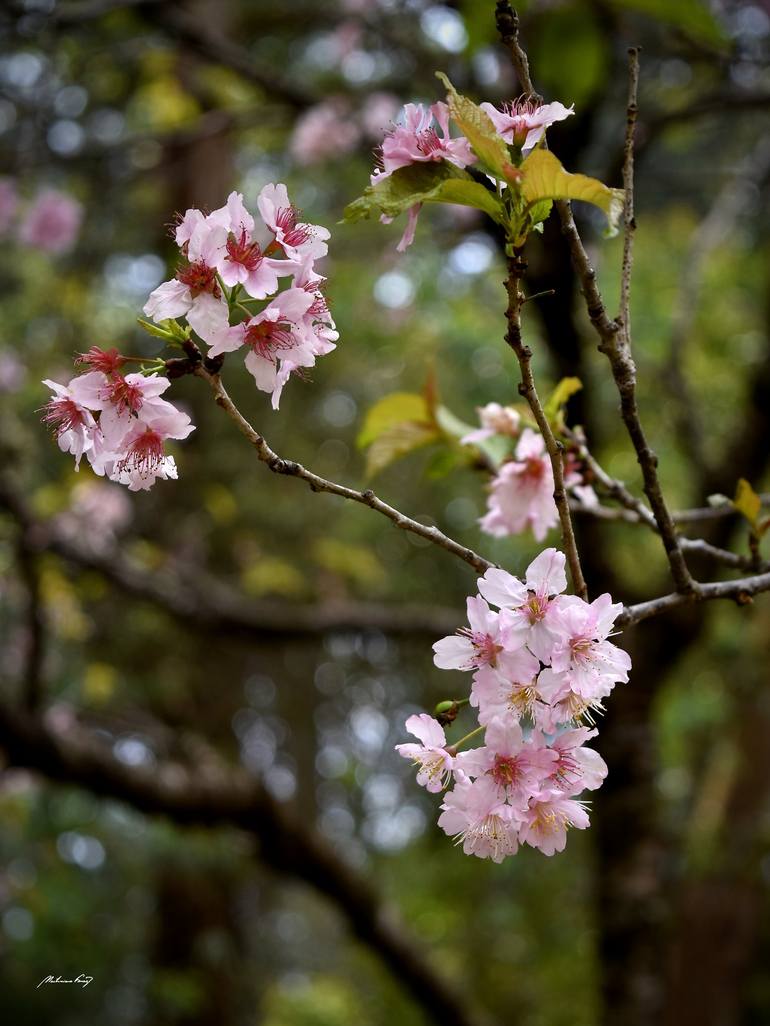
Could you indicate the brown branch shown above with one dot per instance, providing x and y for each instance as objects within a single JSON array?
[
  {"x": 227, "y": 797},
  {"x": 629, "y": 224},
  {"x": 201, "y": 602},
  {"x": 528, "y": 390},
  {"x": 320, "y": 484},
  {"x": 740, "y": 591}
]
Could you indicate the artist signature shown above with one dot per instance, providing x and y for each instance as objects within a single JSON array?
[{"x": 81, "y": 979}]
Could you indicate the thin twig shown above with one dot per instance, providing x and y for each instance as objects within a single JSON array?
[
  {"x": 320, "y": 484},
  {"x": 741, "y": 591},
  {"x": 629, "y": 224},
  {"x": 528, "y": 390}
]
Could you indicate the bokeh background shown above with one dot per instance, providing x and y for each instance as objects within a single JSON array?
[{"x": 137, "y": 110}]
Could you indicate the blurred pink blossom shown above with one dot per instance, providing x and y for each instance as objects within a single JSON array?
[
  {"x": 324, "y": 131},
  {"x": 52, "y": 222}
]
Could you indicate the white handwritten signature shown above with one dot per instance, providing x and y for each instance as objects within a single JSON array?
[{"x": 81, "y": 979}]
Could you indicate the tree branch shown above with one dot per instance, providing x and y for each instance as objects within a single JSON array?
[
  {"x": 741, "y": 591},
  {"x": 320, "y": 484},
  {"x": 201, "y": 602},
  {"x": 528, "y": 390},
  {"x": 226, "y": 797}
]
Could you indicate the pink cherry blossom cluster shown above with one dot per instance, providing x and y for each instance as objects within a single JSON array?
[
  {"x": 521, "y": 493},
  {"x": 117, "y": 421},
  {"x": 50, "y": 222},
  {"x": 423, "y": 136},
  {"x": 229, "y": 263},
  {"x": 542, "y": 666}
]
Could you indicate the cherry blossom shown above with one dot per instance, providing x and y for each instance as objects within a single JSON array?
[
  {"x": 277, "y": 334},
  {"x": 495, "y": 420},
  {"x": 581, "y": 648},
  {"x": 477, "y": 818},
  {"x": 72, "y": 422},
  {"x": 518, "y": 767},
  {"x": 512, "y": 690},
  {"x": 521, "y": 495},
  {"x": 523, "y": 122},
  {"x": 296, "y": 239},
  {"x": 434, "y": 763},
  {"x": 480, "y": 644},
  {"x": 548, "y": 818},
  {"x": 533, "y": 603},
  {"x": 417, "y": 141}
]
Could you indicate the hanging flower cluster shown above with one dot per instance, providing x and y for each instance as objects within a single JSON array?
[
  {"x": 229, "y": 264},
  {"x": 542, "y": 666},
  {"x": 227, "y": 288},
  {"x": 423, "y": 137},
  {"x": 117, "y": 421},
  {"x": 521, "y": 493}
]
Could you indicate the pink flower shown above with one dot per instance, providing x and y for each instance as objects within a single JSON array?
[
  {"x": 581, "y": 648},
  {"x": 434, "y": 763},
  {"x": 522, "y": 493},
  {"x": 535, "y": 604},
  {"x": 297, "y": 239},
  {"x": 243, "y": 262},
  {"x": 510, "y": 690},
  {"x": 481, "y": 644},
  {"x": 324, "y": 131},
  {"x": 278, "y": 333},
  {"x": 52, "y": 222},
  {"x": 9, "y": 203},
  {"x": 73, "y": 423},
  {"x": 575, "y": 768},
  {"x": 194, "y": 292},
  {"x": 547, "y": 820},
  {"x": 418, "y": 141},
  {"x": 523, "y": 123},
  {"x": 495, "y": 420},
  {"x": 517, "y": 767},
  {"x": 475, "y": 816}
]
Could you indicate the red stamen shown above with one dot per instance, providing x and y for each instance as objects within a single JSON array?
[
  {"x": 506, "y": 770},
  {"x": 294, "y": 233},
  {"x": 107, "y": 361},
  {"x": 62, "y": 415},
  {"x": 125, "y": 396},
  {"x": 429, "y": 142},
  {"x": 145, "y": 454},
  {"x": 199, "y": 277},
  {"x": 241, "y": 251},
  {"x": 268, "y": 336}
]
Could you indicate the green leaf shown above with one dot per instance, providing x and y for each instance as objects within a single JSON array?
[
  {"x": 397, "y": 441},
  {"x": 545, "y": 178},
  {"x": 157, "y": 332},
  {"x": 392, "y": 410},
  {"x": 478, "y": 129},
  {"x": 691, "y": 16},
  {"x": 433, "y": 182},
  {"x": 395, "y": 426},
  {"x": 566, "y": 388},
  {"x": 747, "y": 501}
]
